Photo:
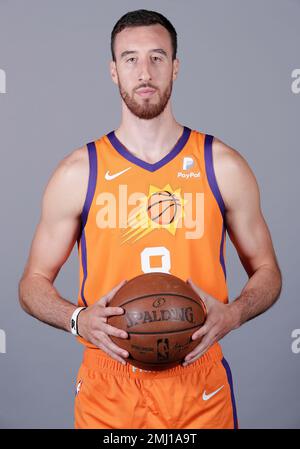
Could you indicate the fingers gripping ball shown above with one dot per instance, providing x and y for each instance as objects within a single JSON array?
[{"x": 161, "y": 314}]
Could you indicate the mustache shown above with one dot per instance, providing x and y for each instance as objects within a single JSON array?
[{"x": 145, "y": 86}]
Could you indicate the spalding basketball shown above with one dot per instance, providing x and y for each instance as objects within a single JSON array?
[{"x": 161, "y": 314}]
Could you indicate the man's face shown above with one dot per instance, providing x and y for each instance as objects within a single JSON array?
[{"x": 144, "y": 70}]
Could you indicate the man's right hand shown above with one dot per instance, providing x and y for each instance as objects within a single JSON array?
[{"x": 93, "y": 327}]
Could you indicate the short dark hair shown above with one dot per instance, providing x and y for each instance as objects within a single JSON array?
[{"x": 143, "y": 17}]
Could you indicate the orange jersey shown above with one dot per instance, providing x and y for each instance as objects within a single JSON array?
[{"x": 140, "y": 217}]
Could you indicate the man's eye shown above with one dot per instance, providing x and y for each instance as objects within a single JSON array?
[
  {"x": 156, "y": 58},
  {"x": 130, "y": 59}
]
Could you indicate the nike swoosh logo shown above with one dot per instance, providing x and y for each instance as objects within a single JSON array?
[
  {"x": 109, "y": 177},
  {"x": 205, "y": 396}
]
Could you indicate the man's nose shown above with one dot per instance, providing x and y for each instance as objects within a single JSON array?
[{"x": 144, "y": 73}]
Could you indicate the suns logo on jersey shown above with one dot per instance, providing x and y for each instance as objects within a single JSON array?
[{"x": 161, "y": 208}]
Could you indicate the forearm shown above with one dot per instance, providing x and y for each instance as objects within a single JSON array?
[
  {"x": 260, "y": 293},
  {"x": 39, "y": 298}
]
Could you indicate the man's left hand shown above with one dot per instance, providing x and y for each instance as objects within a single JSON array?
[{"x": 221, "y": 319}]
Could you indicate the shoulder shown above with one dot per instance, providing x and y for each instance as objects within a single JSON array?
[
  {"x": 227, "y": 157},
  {"x": 75, "y": 163},
  {"x": 69, "y": 181},
  {"x": 73, "y": 169},
  {"x": 235, "y": 178}
]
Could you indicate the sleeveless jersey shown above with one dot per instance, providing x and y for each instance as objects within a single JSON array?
[{"x": 140, "y": 217}]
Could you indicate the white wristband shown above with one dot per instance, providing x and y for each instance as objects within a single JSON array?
[{"x": 74, "y": 321}]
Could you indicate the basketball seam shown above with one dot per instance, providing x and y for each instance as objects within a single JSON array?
[
  {"x": 163, "y": 211},
  {"x": 163, "y": 332}
]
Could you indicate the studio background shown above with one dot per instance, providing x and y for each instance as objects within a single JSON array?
[{"x": 237, "y": 59}]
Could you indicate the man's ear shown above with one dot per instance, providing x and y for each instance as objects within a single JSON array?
[
  {"x": 113, "y": 71},
  {"x": 175, "y": 68}
]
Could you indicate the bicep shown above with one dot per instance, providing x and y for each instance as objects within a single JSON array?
[
  {"x": 51, "y": 247},
  {"x": 59, "y": 224},
  {"x": 250, "y": 235}
]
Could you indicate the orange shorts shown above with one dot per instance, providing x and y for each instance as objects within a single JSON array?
[{"x": 110, "y": 395}]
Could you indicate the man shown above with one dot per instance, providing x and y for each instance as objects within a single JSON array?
[{"x": 98, "y": 196}]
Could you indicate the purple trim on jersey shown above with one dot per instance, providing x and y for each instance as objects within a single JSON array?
[
  {"x": 92, "y": 182},
  {"x": 84, "y": 266},
  {"x": 150, "y": 167},
  {"x": 229, "y": 377},
  {"x": 86, "y": 208},
  {"x": 222, "y": 261},
  {"x": 210, "y": 172}
]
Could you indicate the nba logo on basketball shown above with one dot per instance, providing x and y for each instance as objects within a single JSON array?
[
  {"x": 162, "y": 349},
  {"x": 187, "y": 163}
]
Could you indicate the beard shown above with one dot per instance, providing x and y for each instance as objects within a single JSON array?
[{"x": 147, "y": 110}]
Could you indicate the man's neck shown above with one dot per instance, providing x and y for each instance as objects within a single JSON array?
[{"x": 149, "y": 140}]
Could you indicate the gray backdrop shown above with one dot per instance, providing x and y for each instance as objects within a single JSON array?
[{"x": 237, "y": 59}]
